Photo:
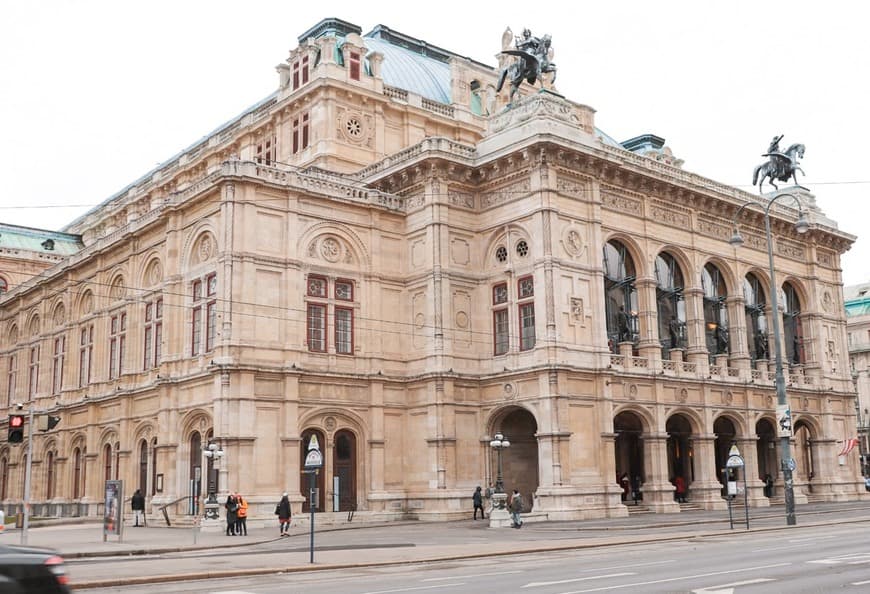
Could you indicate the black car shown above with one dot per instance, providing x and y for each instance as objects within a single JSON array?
[{"x": 26, "y": 570}]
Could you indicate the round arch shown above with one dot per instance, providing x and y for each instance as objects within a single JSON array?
[
  {"x": 150, "y": 273},
  {"x": 641, "y": 266},
  {"x": 203, "y": 229},
  {"x": 349, "y": 236},
  {"x": 507, "y": 236}
]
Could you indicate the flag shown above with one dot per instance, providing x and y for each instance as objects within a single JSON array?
[{"x": 848, "y": 446}]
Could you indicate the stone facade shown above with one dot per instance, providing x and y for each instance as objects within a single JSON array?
[
  {"x": 857, "y": 301},
  {"x": 403, "y": 277}
]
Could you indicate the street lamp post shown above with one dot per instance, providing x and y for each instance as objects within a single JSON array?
[
  {"x": 786, "y": 461},
  {"x": 499, "y": 516},
  {"x": 212, "y": 507}
]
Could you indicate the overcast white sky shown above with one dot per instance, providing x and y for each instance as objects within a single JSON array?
[{"x": 95, "y": 94}]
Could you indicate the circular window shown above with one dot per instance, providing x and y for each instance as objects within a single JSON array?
[
  {"x": 501, "y": 254},
  {"x": 353, "y": 127},
  {"x": 522, "y": 248}
]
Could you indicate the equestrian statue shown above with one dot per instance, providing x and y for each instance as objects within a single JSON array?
[
  {"x": 780, "y": 166},
  {"x": 533, "y": 55}
]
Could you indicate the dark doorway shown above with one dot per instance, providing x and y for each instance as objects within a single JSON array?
[
  {"x": 680, "y": 454},
  {"x": 766, "y": 452},
  {"x": 628, "y": 430},
  {"x": 520, "y": 460},
  {"x": 725, "y": 433},
  {"x": 344, "y": 468},
  {"x": 305, "y": 478}
]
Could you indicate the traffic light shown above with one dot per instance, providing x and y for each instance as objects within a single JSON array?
[
  {"x": 16, "y": 428},
  {"x": 47, "y": 422}
]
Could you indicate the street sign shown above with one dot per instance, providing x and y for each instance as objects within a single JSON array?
[
  {"x": 733, "y": 451},
  {"x": 314, "y": 459},
  {"x": 792, "y": 464},
  {"x": 783, "y": 420},
  {"x": 734, "y": 462}
]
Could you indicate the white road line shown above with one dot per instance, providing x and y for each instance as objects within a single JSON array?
[
  {"x": 861, "y": 583},
  {"x": 731, "y": 586},
  {"x": 812, "y": 538},
  {"x": 583, "y": 579},
  {"x": 415, "y": 588},
  {"x": 465, "y": 577},
  {"x": 797, "y": 546},
  {"x": 684, "y": 577}
]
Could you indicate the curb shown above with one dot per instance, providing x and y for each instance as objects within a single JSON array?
[{"x": 230, "y": 573}]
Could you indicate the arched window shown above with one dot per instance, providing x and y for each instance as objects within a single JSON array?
[
  {"x": 154, "y": 466},
  {"x": 791, "y": 321},
  {"x": 620, "y": 295},
  {"x": 4, "y": 285},
  {"x": 107, "y": 462},
  {"x": 143, "y": 466},
  {"x": 77, "y": 474},
  {"x": 117, "y": 460},
  {"x": 715, "y": 311},
  {"x": 670, "y": 306},
  {"x": 195, "y": 475},
  {"x": 756, "y": 321},
  {"x": 49, "y": 476},
  {"x": 4, "y": 477}
]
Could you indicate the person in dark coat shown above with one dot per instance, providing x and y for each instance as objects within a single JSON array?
[
  {"x": 282, "y": 510},
  {"x": 137, "y": 504},
  {"x": 477, "y": 500},
  {"x": 232, "y": 508}
]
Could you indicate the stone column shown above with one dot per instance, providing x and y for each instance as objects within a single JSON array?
[
  {"x": 696, "y": 330},
  {"x": 658, "y": 492},
  {"x": 754, "y": 484},
  {"x": 706, "y": 490},
  {"x": 737, "y": 334},
  {"x": 649, "y": 345}
]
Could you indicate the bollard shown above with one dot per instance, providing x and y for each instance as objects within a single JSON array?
[{"x": 19, "y": 520}]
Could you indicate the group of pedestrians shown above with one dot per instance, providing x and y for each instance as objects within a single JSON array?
[
  {"x": 515, "y": 505},
  {"x": 237, "y": 515}
]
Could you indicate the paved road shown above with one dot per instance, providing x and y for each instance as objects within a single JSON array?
[
  {"x": 820, "y": 559},
  {"x": 154, "y": 554}
]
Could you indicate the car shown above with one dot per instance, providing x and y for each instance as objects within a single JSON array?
[{"x": 29, "y": 570}]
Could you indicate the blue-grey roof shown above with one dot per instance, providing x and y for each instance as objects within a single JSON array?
[
  {"x": 38, "y": 240},
  {"x": 412, "y": 71}
]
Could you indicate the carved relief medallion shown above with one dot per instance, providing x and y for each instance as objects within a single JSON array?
[{"x": 576, "y": 309}]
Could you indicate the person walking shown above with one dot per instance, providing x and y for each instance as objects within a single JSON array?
[
  {"x": 282, "y": 510},
  {"x": 232, "y": 514},
  {"x": 241, "y": 515},
  {"x": 477, "y": 499},
  {"x": 137, "y": 503},
  {"x": 516, "y": 507}
]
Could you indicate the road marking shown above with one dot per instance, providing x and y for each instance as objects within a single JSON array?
[
  {"x": 797, "y": 546},
  {"x": 852, "y": 559},
  {"x": 861, "y": 583},
  {"x": 583, "y": 579},
  {"x": 811, "y": 538},
  {"x": 685, "y": 577},
  {"x": 729, "y": 588},
  {"x": 465, "y": 577},
  {"x": 415, "y": 588}
]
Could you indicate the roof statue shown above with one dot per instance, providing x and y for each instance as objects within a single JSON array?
[
  {"x": 780, "y": 166},
  {"x": 532, "y": 58}
]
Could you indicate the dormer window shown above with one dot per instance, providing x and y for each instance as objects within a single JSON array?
[
  {"x": 48, "y": 245},
  {"x": 300, "y": 72},
  {"x": 354, "y": 65},
  {"x": 266, "y": 151}
]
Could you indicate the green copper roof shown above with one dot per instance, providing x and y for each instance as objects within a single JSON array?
[
  {"x": 411, "y": 71},
  {"x": 39, "y": 240}
]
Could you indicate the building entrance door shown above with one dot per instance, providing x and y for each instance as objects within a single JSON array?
[
  {"x": 628, "y": 429},
  {"x": 344, "y": 467}
]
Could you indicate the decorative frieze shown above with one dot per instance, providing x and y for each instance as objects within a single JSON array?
[
  {"x": 571, "y": 187},
  {"x": 790, "y": 249},
  {"x": 463, "y": 199},
  {"x": 713, "y": 228},
  {"x": 506, "y": 193},
  {"x": 670, "y": 215},
  {"x": 617, "y": 200}
]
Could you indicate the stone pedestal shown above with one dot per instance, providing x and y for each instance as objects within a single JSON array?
[{"x": 499, "y": 517}]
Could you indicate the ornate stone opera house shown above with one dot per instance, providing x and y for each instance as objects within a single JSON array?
[{"x": 384, "y": 255}]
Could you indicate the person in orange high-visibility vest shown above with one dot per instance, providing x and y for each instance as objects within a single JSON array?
[{"x": 241, "y": 515}]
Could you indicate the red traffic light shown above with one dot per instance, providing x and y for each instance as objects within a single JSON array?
[
  {"x": 16, "y": 429},
  {"x": 16, "y": 420}
]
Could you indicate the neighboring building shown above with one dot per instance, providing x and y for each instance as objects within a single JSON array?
[
  {"x": 857, "y": 301},
  {"x": 381, "y": 255}
]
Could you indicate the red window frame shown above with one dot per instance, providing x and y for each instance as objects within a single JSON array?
[
  {"x": 33, "y": 372},
  {"x": 153, "y": 333},
  {"x": 58, "y": 358},
  {"x": 354, "y": 63},
  {"x": 296, "y": 66},
  {"x": 11, "y": 377},
  {"x": 86, "y": 351},
  {"x": 304, "y": 69},
  {"x": 316, "y": 311},
  {"x": 309, "y": 286},
  {"x": 526, "y": 311},
  {"x": 500, "y": 332},
  {"x": 343, "y": 281},
  {"x": 117, "y": 344},
  {"x": 266, "y": 151},
  {"x": 204, "y": 302},
  {"x": 343, "y": 346}
]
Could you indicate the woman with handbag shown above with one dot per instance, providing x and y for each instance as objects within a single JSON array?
[
  {"x": 282, "y": 510},
  {"x": 232, "y": 507}
]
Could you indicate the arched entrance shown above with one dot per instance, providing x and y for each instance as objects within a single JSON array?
[
  {"x": 520, "y": 461},
  {"x": 304, "y": 479},
  {"x": 680, "y": 453},
  {"x": 194, "y": 482},
  {"x": 725, "y": 437},
  {"x": 766, "y": 453},
  {"x": 344, "y": 468},
  {"x": 628, "y": 431},
  {"x": 803, "y": 454}
]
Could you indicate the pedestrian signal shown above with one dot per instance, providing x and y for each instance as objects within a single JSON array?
[{"x": 16, "y": 428}]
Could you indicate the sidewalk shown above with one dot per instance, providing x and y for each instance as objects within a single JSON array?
[{"x": 354, "y": 545}]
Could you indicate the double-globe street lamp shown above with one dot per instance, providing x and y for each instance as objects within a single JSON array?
[
  {"x": 786, "y": 462},
  {"x": 499, "y": 513}
]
